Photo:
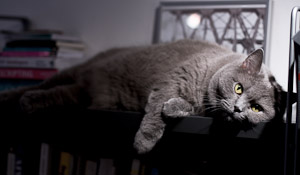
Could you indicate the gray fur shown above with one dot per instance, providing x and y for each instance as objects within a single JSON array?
[{"x": 176, "y": 79}]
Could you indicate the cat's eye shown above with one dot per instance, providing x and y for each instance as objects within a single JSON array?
[
  {"x": 256, "y": 108},
  {"x": 238, "y": 88}
]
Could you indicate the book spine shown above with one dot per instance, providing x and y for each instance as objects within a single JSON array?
[
  {"x": 29, "y": 49},
  {"x": 11, "y": 157},
  {"x": 65, "y": 165},
  {"x": 44, "y": 159},
  {"x": 33, "y": 74},
  {"x": 135, "y": 167},
  {"x": 65, "y": 38},
  {"x": 6, "y": 84},
  {"x": 106, "y": 167},
  {"x": 61, "y": 44},
  {"x": 31, "y": 43},
  {"x": 69, "y": 55},
  {"x": 26, "y": 54},
  {"x": 91, "y": 167},
  {"x": 19, "y": 160},
  {"x": 43, "y": 37},
  {"x": 28, "y": 62}
]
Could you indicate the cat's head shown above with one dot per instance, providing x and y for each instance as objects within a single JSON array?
[{"x": 246, "y": 90}]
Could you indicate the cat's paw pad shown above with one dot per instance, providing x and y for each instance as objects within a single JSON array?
[
  {"x": 143, "y": 144},
  {"x": 176, "y": 107}
]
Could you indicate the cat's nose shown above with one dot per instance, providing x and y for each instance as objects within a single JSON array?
[{"x": 237, "y": 109}]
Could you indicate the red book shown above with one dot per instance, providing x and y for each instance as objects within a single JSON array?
[
  {"x": 33, "y": 74},
  {"x": 26, "y": 54}
]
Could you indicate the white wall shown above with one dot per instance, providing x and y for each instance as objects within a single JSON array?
[
  {"x": 280, "y": 38},
  {"x": 108, "y": 23},
  {"x": 100, "y": 23}
]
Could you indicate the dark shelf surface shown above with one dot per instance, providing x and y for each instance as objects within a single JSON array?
[
  {"x": 115, "y": 121},
  {"x": 202, "y": 125}
]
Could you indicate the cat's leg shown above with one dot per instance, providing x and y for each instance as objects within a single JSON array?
[
  {"x": 177, "y": 107},
  {"x": 152, "y": 126},
  {"x": 32, "y": 101},
  {"x": 151, "y": 130}
]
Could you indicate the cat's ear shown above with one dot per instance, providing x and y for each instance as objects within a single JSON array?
[{"x": 253, "y": 62}]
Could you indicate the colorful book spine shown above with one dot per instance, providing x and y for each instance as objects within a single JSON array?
[
  {"x": 28, "y": 62},
  {"x": 33, "y": 74},
  {"x": 66, "y": 163},
  {"x": 135, "y": 167},
  {"x": 45, "y": 43},
  {"x": 40, "y": 36},
  {"x": 29, "y": 49},
  {"x": 6, "y": 84},
  {"x": 26, "y": 53}
]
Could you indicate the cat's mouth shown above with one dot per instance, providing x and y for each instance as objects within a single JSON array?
[
  {"x": 235, "y": 116},
  {"x": 238, "y": 119},
  {"x": 227, "y": 112},
  {"x": 230, "y": 113}
]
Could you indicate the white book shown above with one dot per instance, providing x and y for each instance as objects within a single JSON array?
[
  {"x": 70, "y": 55},
  {"x": 65, "y": 37},
  {"x": 70, "y": 45},
  {"x": 11, "y": 159},
  {"x": 28, "y": 62},
  {"x": 44, "y": 159}
]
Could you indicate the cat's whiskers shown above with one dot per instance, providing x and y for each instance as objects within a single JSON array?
[{"x": 213, "y": 108}]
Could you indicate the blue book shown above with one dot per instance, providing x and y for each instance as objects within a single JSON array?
[
  {"x": 31, "y": 49},
  {"x": 7, "y": 84}
]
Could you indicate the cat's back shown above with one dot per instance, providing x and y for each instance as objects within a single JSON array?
[
  {"x": 127, "y": 74},
  {"x": 144, "y": 64},
  {"x": 155, "y": 58}
]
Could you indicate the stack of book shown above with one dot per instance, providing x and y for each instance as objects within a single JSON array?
[{"x": 38, "y": 55}]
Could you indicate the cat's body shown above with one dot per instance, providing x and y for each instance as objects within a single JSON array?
[{"x": 177, "y": 79}]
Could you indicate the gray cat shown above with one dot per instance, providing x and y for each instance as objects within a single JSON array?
[{"x": 167, "y": 80}]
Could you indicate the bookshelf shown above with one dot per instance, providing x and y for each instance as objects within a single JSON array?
[{"x": 188, "y": 146}]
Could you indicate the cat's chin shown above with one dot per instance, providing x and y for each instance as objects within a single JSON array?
[{"x": 233, "y": 116}]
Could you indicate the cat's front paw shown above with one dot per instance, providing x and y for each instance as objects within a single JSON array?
[
  {"x": 30, "y": 102},
  {"x": 177, "y": 107},
  {"x": 143, "y": 144}
]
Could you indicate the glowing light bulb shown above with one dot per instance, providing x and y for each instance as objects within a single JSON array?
[{"x": 193, "y": 21}]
